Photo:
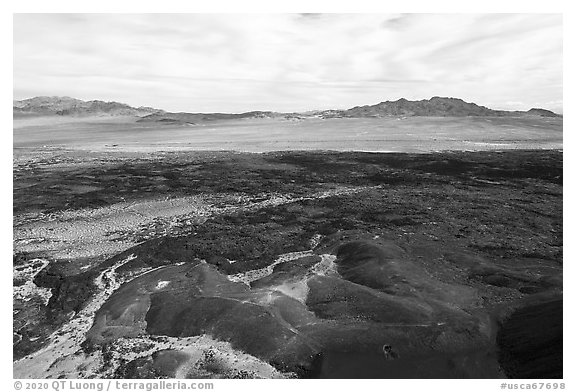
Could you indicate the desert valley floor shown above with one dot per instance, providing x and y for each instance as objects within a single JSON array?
[{"x": 289, "y": 256}]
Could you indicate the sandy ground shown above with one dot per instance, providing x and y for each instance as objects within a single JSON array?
[{"x": 412, "y": 134}]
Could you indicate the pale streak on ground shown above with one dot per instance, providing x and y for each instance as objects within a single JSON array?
[{"x": 91, "y": 233}]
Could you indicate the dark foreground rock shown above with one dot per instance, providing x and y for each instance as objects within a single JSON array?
[
  {"x": 530, "y": 341},
  {"x": 306, "y": 322}
]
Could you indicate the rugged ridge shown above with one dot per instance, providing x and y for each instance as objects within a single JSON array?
[
  {"x": 433, "y": 107},
  {"x": 67, "y": 106},
  {"x": 436, "y": 106}
]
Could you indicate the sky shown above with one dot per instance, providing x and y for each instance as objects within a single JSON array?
[{"x": 290, "y": 62}]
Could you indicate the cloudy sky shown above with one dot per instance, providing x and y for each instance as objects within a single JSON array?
[{"x": 290, "y": 62}]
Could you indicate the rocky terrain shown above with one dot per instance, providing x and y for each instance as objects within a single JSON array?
[{"x": 287, "y": 264}]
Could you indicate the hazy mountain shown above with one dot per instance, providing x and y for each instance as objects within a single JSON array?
[
  {"x": 433, "y": 107},
  {"x": 193, "y": 118},
  {"x": 66, "y": 106}
]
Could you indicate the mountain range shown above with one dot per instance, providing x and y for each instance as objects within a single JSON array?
[{"x": 433, "y": 107}]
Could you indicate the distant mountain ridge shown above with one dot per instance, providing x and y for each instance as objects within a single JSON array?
[
  {"x": 66, "y": 106},
  {"x": 193, "y": 118},
  {"x": 433, "y": 107}
]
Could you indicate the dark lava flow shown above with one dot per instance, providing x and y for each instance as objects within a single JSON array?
[{"x": 451, "y": 260}]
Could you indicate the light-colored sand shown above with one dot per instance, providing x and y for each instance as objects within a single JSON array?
[{"x": 411, "y": 134}]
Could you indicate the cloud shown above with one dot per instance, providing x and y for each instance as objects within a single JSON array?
[{"x": 226, "y": 62}]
